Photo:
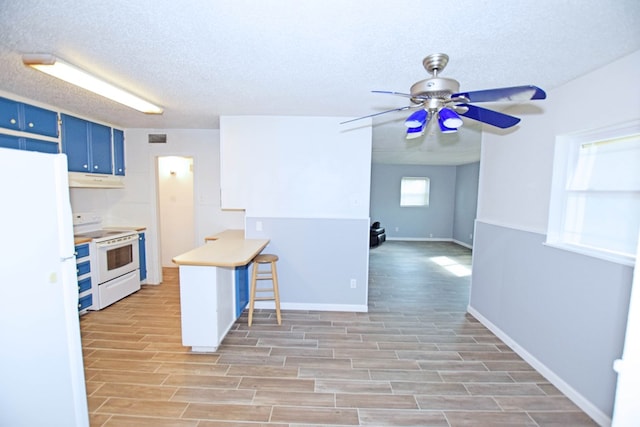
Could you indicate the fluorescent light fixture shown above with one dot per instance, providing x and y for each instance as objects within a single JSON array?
[
  {"x": 417, "y": 119},
  {"x": 449, "y": 118},
  {"x": 55, "y": 67}
]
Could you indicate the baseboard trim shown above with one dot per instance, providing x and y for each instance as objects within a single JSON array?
[
  {"x": 430, "y": 239},
  {"x": 583, "y": 403},
  {"x": 313, "y": 307},
  {"x": 466, "y": 245},
  {"x": 419, "y": 239}
]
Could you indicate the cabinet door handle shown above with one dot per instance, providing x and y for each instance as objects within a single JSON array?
[
  {"x": 30, "y": 125},
  {"x": 12, "y": 121},
  {"x": 95, "y": 166},
  {"x": 85, "y": 166}
]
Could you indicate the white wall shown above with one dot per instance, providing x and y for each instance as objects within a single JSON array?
[
  {"x": 136, "y": 204},
  {"x": 516, "y": 168},
  {"x": 563, "y": 312},
  {"x": 295, "y": 166},
  {"x": 305, "y": 185}
]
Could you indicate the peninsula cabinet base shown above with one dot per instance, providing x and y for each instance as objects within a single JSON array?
[{"x": 207, "y": 305}]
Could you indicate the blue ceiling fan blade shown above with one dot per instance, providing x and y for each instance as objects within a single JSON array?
[
  {"x": 377, "y": 114},
  {"x": 489, "y": 117},
  {"x": 515, "y": 93}
]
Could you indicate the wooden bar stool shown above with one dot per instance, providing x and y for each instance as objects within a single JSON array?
[{"x": 271, "y": 275}]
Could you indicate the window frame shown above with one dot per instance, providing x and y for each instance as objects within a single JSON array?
[
  {"x": 565, "y": 166},
  {"x": 405, "y": 196}
]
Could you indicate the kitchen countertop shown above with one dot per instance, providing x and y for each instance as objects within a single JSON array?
[
  {"x": 226, "y": 249},
  {"x": 81, "y": 240}
]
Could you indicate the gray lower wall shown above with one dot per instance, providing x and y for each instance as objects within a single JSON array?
[
  {"x": 568, "y": 311},
  {"x": 318, "y": 259},
  {"x": 452, "y": 206}
]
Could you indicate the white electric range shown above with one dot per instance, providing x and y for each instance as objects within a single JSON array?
[{"x": 115, "y": 261}]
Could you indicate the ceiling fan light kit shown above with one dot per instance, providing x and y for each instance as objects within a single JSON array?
[
  {"x": 55, "y": 67},
  {"x": 449, "y": 118},
  {"x": 440, "y": 96},
  {"x": 417, "y": 119},
  {"x": 415, "y": 132},
  {"x": 445, "y": 129}
]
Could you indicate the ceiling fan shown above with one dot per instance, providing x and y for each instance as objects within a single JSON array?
[{"x": 438, "y": 97}]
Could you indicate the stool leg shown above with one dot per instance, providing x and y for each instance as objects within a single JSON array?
[
  {"x": 252, "y": 291},
  {"x": 276, "y": 293}
]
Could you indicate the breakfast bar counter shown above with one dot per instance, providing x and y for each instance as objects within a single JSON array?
[{"x": 214, "y": 287}]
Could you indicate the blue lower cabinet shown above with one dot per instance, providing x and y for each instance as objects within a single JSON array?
[
  {"x": 84, "y": 285},
  {"x": 242, "y": 288},
  {"x": 82, "y": 251},
  {"x": 83, "y": 268},
  {"x": 142, "y": 253},
  {"x": 85, "y": 302}
]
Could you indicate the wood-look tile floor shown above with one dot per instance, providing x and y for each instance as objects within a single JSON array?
[{"x": 415, "y": 359}]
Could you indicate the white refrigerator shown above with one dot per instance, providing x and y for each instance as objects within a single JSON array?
[{"x": 41, "y": 367}]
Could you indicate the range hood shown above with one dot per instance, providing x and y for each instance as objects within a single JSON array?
[{"x": 94, "y": 180}]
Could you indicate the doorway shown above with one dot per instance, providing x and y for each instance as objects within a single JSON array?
[{"x": 175, "y": 207}]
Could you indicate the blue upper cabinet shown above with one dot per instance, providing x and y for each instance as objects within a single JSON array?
[
  {"x": 100, "y": 148},
  {"x": 10, "y": 141},
  {"x": 118, "y": 152},
  {"x": 75, "y": 143},
  {"x": 9, "y": 114},
  {"x": 87, "y": 145},
  {"x": 18, "y": 116},
  {"x": 29, "y": 144}
]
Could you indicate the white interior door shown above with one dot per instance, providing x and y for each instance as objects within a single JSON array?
[{"x": 176, "y": 207}]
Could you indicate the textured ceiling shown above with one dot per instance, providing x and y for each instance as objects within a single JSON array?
[{"x": 200, "y": 59}]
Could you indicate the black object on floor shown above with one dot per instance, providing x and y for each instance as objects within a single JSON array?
[{"x": 376, "y": 235}]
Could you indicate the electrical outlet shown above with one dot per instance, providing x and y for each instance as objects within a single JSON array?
[
  {"x": 353, "y": 283},
  {"x": 397, "y": 228},
  {"x": 258, "y": 225},
  {"x": 471, "y": 235}
]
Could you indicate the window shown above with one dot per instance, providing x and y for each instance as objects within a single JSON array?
[
  {"x": 414, "y": 191},
  {"x": 595, "y": 198}
]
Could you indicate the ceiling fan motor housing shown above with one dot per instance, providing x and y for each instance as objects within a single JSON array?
[{"x": 435, "y": 87}]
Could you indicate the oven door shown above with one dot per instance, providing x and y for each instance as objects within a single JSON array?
[{"x": 117, "y": 257}]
